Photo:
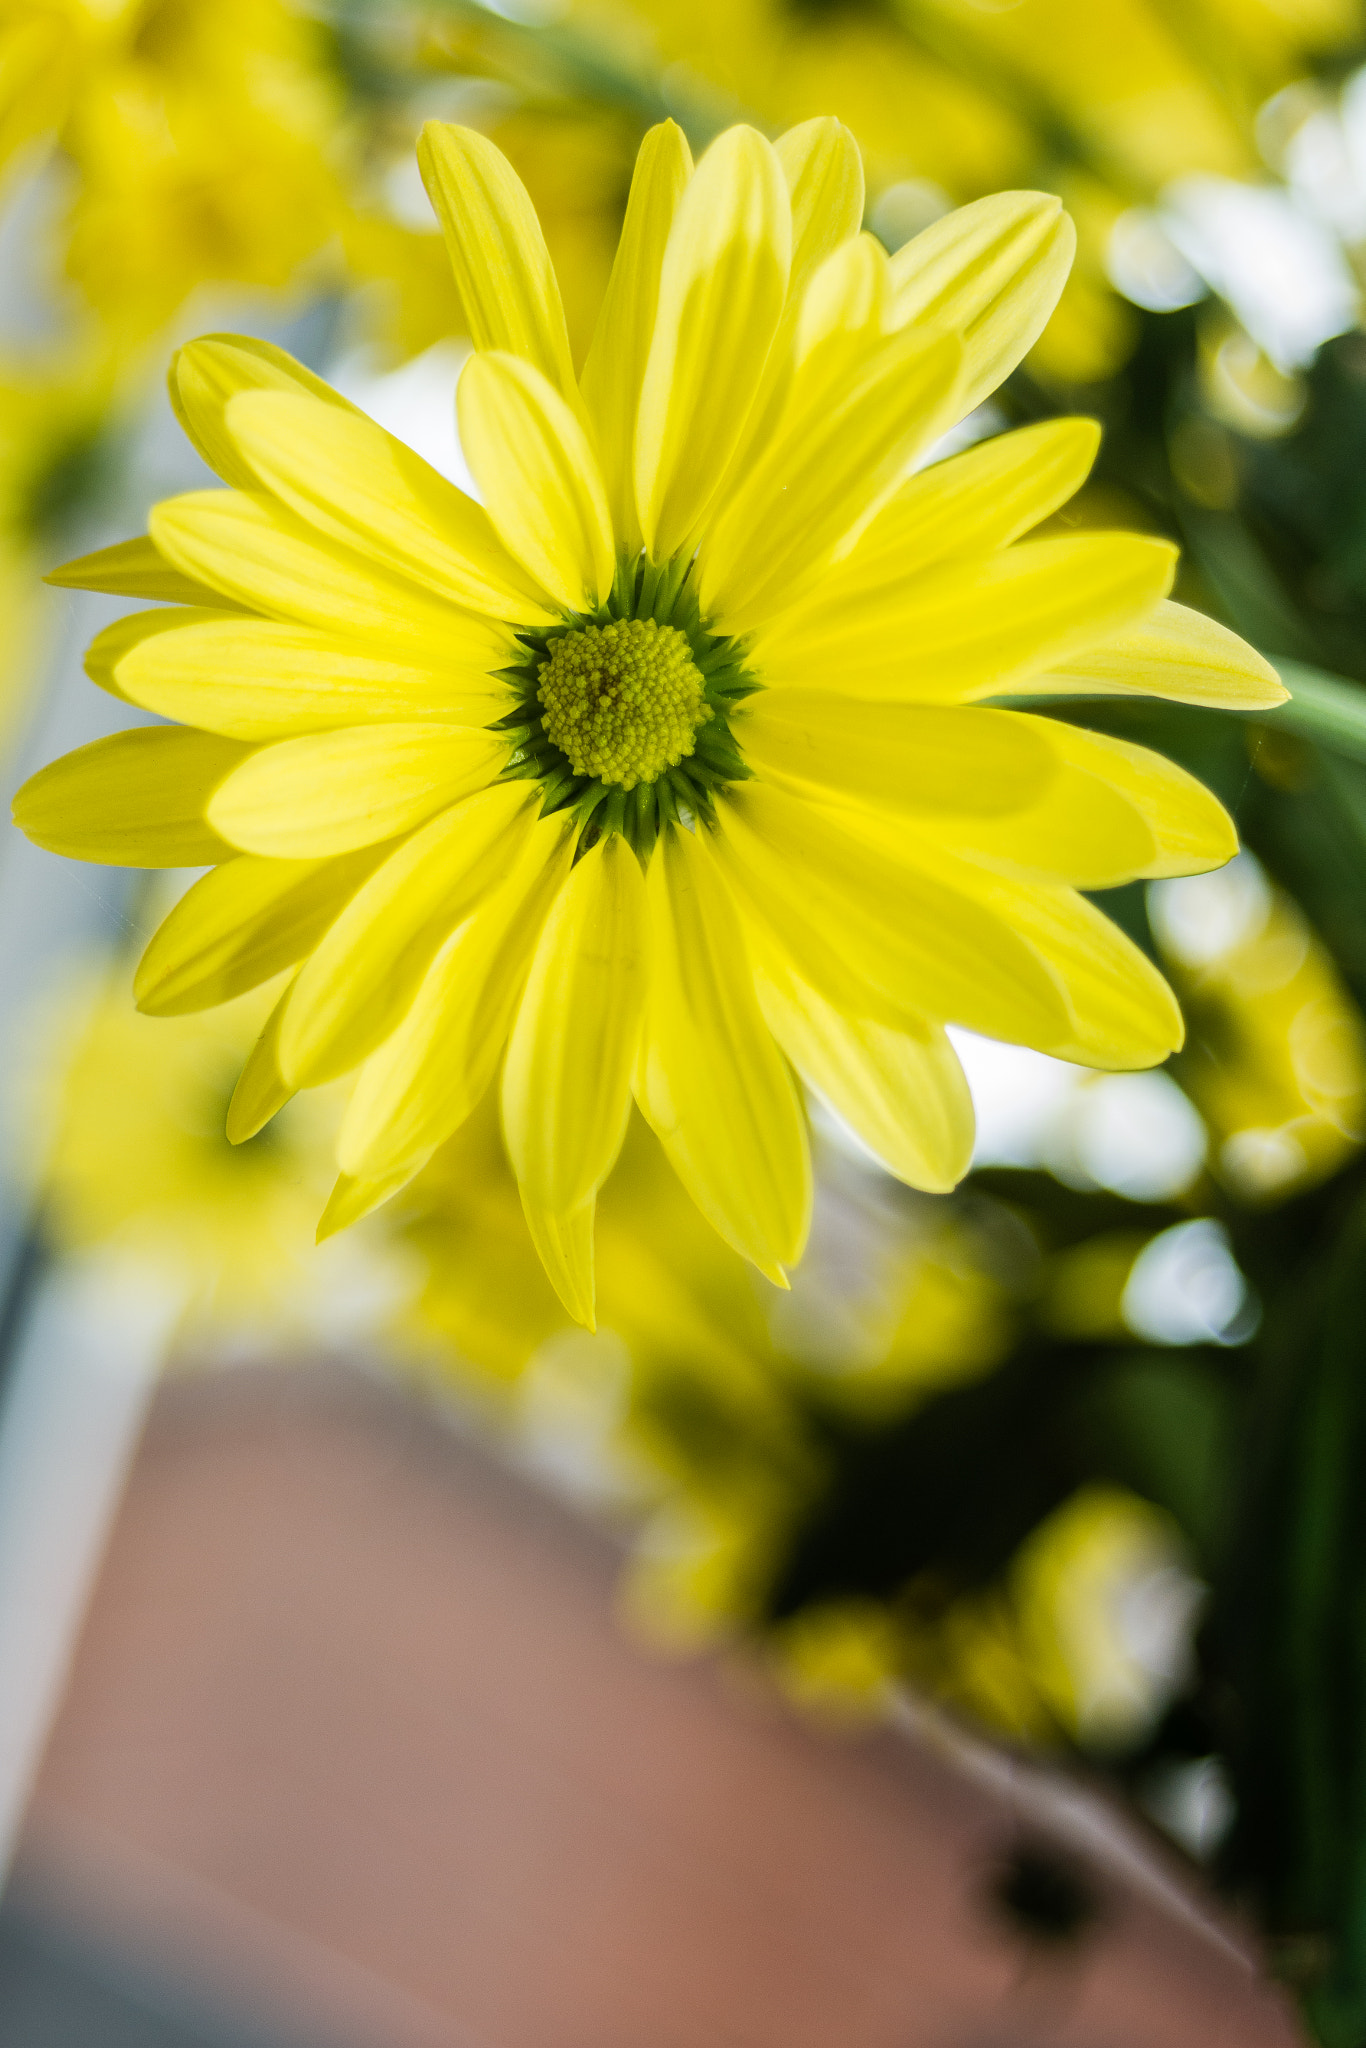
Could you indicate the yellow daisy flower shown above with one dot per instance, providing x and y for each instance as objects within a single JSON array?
[{"x": 663, "y": 771}]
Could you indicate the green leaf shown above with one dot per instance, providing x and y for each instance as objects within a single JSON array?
[{"x": 1323, "y": 708}]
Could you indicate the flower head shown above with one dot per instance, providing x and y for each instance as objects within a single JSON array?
[{"x": 663, "y": 771}]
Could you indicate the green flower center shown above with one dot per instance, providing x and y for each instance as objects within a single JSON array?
[
  {"x": 623, "y": 701},
  {"x": 624, "y": 717}
]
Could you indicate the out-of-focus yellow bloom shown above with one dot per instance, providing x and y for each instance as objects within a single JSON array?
[
  {"x": 121, "y": 1130},
  {"x": 1084, "y": 1637},
  {"x": 54, "y": 451},
  {"x": 200, "y": 136},
  {"x": 840, "y": 1659},
  {"x": 1275, "y": 1060},
  {"x": 1083, "y": 1293}
]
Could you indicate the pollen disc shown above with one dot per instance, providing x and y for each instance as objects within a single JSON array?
[{"x": 623, "y": 701}]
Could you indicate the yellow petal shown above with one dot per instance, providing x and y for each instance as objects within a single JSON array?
[
  {"x": 1190, "y": 828},
  {"x": 903, "y": 1093},
  {"x": 135, "y": 800},
  {"x": 567, "y": 1081},
  {"x": 364, "y": 972},
  {"x": 334, "y": 791},
  {"x": 849, "y": 296},
  {"x": 261, "y": 1090},
  {"x": 564, "y": 1245},
  {"x": 428, "y": 1075},
  {"x": 207, "y": 373},
  {"x": 1078, "y": 830},
  {"x": 975, "y": 628},
  {"x": 833, "y": 459},
  {"x": 254, "y": 680},
  {"x": 348, "y": 479},
  {"x": 710, "y": 1080},
  {"x": 820, "y": 161},
  {"x": 1175, "y": 653},
  {"x": 993, "y": 272},
  {"x": 1123, "y": 1014},
  {"x": 502, "y": 268},
  {"x": 259, "y": 553},
  {"x": 979, "y": 500},
  {"x": 721, "y": 296},
  {"x": 1113, "y": 813},
  {"x": 351, "y": 1199},
  {"x": 884, "y": 910},
  {"x": 240, "y": 925},
  {"x": 133, "y": 568},
  {"x": 621, "y": 340},
  {"x": 828, "y": 332},
  {"x": 539, "y": 477},
  {"x": 906, "y": 757}
]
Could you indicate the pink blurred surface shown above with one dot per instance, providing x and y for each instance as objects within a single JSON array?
[{"x": 353, "y": 1727}]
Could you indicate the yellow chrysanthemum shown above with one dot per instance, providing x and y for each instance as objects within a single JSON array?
[{"x": 664, "y": 767}]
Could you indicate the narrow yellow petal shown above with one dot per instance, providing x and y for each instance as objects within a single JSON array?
[
  {"x": 903, "y": 1093},
  {"x": 992, "y": 272},
  {"x": 567, "y": 1081},
  {"x": 253, "y": 680},
  {"x": 352, "y": 1199},
  {"x": 1077, "y": 829},
  {"x": 1123, "y": 1014},
  {"x": 828, "y": 331},
  {"x": 982, "y": 499},
  {"x": 890, "y": 911},
  {"x": 135, "y": 800},
  {"x": 1174, "y": 653},
  {"x": 133, "y": 568},
  {"x": 833, "y": 459},
  {"x": 710, "y": 1079},
  {"x": 331, "y": 792},
  {"x": 820, "y": 161},
  {"x": 721, "y": 295},
  {"x": 363, "y": 974},
  {"x": 502, "y": 268},
  {"x": 207, "y": 373},
  {"x": 974, "y": 628},
  {"x": 257, "y": 552},
  {"x": 906, "y": 757},
  {"x": 849, "y": 296},
  {"x": 346, "y": 477},
  {"x": 564, "y": 1245},
  {"x": 1190, "y": 829},
  {"x": 615, "y": 367},
  {"x": 422, "y": 1083},
  {"x": 540, "y": 478},
  {"x": 240, "y": 925},
  {"x": 261, "y": 1090}
]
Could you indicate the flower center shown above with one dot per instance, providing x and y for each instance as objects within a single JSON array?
[
  {"x": 624, "y": 719},
  {"x": 622, "y": 701}
]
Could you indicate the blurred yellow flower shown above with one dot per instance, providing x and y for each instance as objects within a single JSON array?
[
  {"x": 121, "y": 1132},
  {"x": 54, "y": 459},
  {"x": 200, "y": 135},
  {"x": 1085, "y": 1637},
  {"x": 1276, "y": 1057}
]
